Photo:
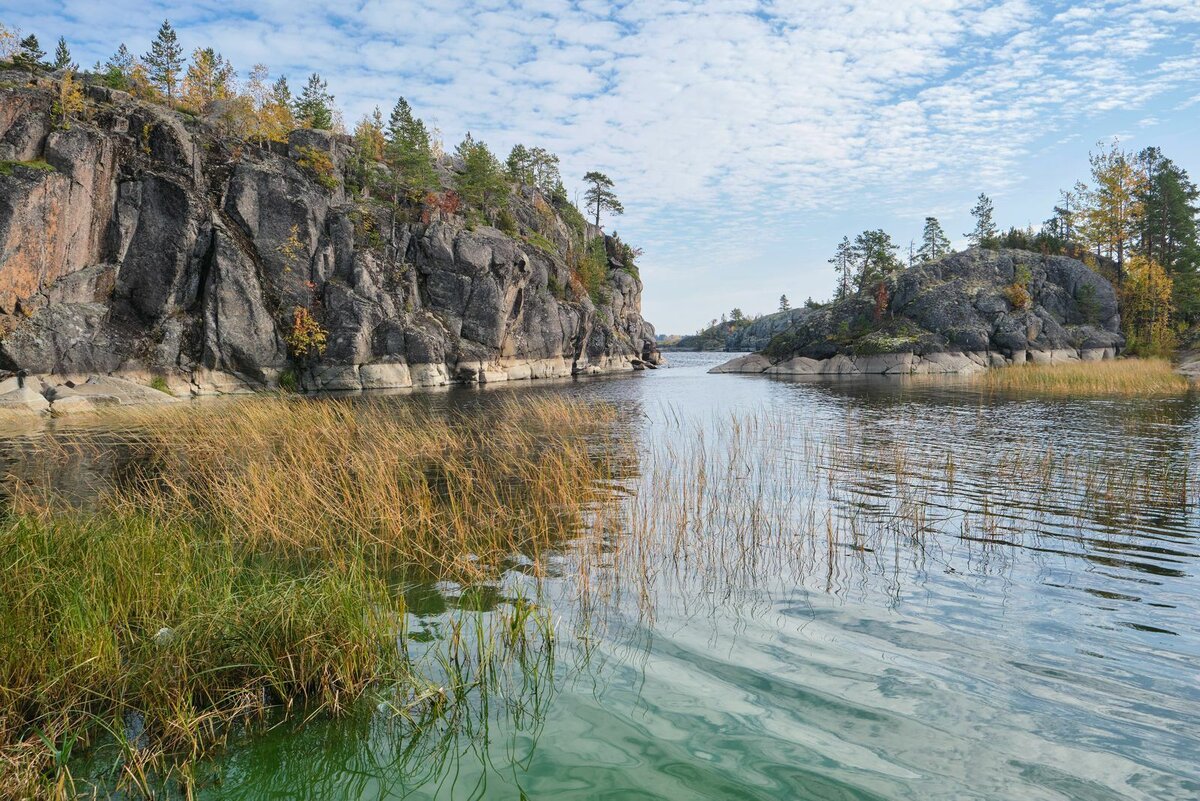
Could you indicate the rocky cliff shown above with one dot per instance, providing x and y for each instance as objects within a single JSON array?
[
  {"x": 751, "y": 335},
  {"x": 965, "y": 312},
  {"x": 143, "y": 243}
]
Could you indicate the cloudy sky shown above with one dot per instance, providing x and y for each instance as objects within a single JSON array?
[{"x": 745, "y": 138}]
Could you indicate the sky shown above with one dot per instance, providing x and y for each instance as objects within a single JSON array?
[{"x": 744, "y": 138}]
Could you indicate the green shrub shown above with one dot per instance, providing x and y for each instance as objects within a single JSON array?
[
  {"x": 289, "y": 381},
  {"x": 319, "y": 165},
  {"x": 541, "y": 243},
  {"x": 593, "y": 269},
  {"x": 7, "y": 167}
]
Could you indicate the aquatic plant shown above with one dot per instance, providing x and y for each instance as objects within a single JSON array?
[
  {"x": 251, "y": 558},
  {"x": 1115, "y": 377}
]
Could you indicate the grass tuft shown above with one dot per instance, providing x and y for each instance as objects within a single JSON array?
[
  {"x": 254, "y": 555},
  {"x": 1118, "y": 377}
]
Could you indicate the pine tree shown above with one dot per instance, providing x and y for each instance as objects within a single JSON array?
[
  {"x": 164, "y": 61},
  {"x": 544, "y": 166},
  {"x": 30, "y": 55},
  {"x": 875, "y": 254},
  {"x": 409, "y": 154},
  {"x": 600, "y": 196},
  {"x": 843, "y": 266},
  {"x": 985, "y": 231},
  {"x": 314, "y": 107},
  {"x": 520, "y": 165},
  {"x": 1167, "y": 227},
  {"x": 482, "y": 182},
  {"x": 784, "y": 303},
  {"x": 118, "y": 70},
  {"x": 934, "y": 242},
  {"x": 62, "y": 56}
]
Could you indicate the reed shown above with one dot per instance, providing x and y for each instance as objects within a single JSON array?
[
  {"x": 252, "y": 554},
  {"x": 1117, "y": 377}
]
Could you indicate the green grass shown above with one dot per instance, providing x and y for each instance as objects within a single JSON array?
[
  {"x": 38, "y": 165},
  {"x": 541, "y": 243},
  {"x": 249, "y": 561}
]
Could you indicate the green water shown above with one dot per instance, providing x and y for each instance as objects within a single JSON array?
[{"x": 985, "y": 631}]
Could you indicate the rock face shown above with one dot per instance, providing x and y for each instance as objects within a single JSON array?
[
  {"x": 966, "y": 312},
  {"x": 145, "y": 245},
  {"x": 755, "y": 335}
]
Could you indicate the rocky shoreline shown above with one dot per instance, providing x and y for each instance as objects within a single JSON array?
[
  {"x": 964, "y": 313},
  {"x": 144, "y": 246},
  {"x": 950, "y": 362}
]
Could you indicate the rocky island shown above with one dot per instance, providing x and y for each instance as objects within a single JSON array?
[
  {"x": 143, "y": 243},
  {"x": 964, "y": 312}
]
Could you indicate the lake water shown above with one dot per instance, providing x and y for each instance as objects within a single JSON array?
[{"x": 861, "y": 589}]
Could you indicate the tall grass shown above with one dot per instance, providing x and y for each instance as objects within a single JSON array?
[
  {"x": 251, "y": 555},
  {"x": 1128, "y": 377}
]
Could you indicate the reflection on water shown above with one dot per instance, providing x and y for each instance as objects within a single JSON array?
[{"x": 864, "y": 589}]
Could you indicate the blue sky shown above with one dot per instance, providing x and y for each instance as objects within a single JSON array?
[{"x": 745, "y": 138}]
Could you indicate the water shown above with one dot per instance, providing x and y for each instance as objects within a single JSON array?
[{"x": 1008, "y": 628}]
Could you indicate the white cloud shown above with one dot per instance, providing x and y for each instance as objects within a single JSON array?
[{"x": 715, "y": 117}]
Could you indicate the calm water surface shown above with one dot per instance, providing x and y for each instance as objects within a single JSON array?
[{"x": 987, "y": 617}]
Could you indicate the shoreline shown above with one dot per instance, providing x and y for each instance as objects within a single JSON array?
[
  {"x": 57, "y": 395},
  {"x": 906, "y": 363}
]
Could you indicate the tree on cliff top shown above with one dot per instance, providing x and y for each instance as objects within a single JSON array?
[
  {"x": 30, "y": 55},
  {"x": 62, "y": 56},
  {"x": 164, "y": 61},
  {"x": 408, "y": 153},
  {"x": 934, "y": 242},
  {"x": 875, "y": 255},
  {"x": 843, "y": 266},
  {"x": 600, "y": 196},
  {"x": 1113, "y": 204},
  {"x": 208, "y": 79},
  {"x": 985, "y": 230},
  {"x": 314, "y": 107},
  {"x": 482, "y": 183}
]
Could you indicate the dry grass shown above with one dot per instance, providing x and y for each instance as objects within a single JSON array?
[
  {"x": 252, "y": 557},
  {"x": 1118, "y": 377}
]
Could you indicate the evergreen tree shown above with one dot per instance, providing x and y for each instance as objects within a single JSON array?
[
  {"x": 482, "y": 182},
  {"x": 520, "y": 165},
  {"x": 600, "y": 196},
  {"x": 843, "y": 266},
  {"x": 875, "y": 255},
  {"x": 1167, "y": 227},
  {"x": 784, "y": 303},
  {"x": 934, "y": 242},
  {"x": 1062, "y": 225},
  {"x": 985, "y": 231},
  {"x": 62, "y": 55},
  {"x": 544, "y": 166},
  {"x": 30, "y": 55},
  {"x": 164, "y": 61},
  {"x": 118, "y": 70},
  {"x": 409, "y": 154},
  {"x": 314, "y": 107}
]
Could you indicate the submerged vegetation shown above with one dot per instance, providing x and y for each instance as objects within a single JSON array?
[{"x": 1120, "y": 377}]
